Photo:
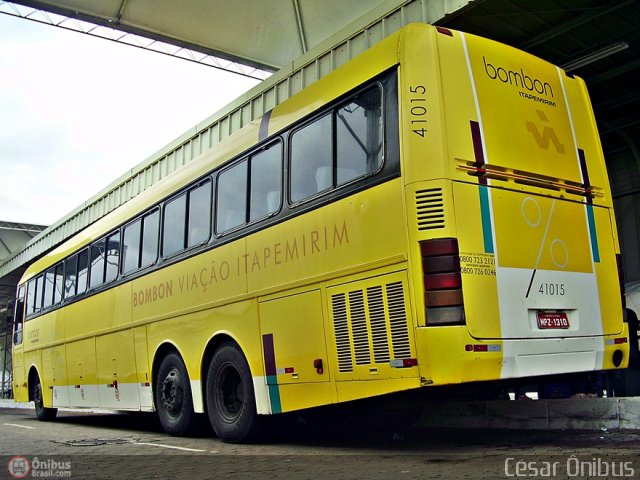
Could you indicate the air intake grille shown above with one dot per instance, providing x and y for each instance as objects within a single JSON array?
[
  {"x": 370, "y": 326},
  {"x": 430, "y": 209},
  {"x": 341, "y": 328}
]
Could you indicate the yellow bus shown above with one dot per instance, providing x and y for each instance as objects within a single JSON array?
[{"x": 434, "y": 212}]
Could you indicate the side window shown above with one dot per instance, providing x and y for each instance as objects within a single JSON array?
[
  {"x": 18, "y": 318},
  {"x": 131, "y": 246},
  {"x": 97, "y": 263},
  {"x": 49, "y": 285},
  {"x": 112, "y": 257},
  {"x": 231, "y": 198},
  {"x": 199, "y": 223},
  {"x": 266, "y": 181},
  {"x": 83, "y": 267},
  {"x": 59, "y": 285},
  {"x": 31, "y": 296},
  {"x": 311, "y": 159},
  {"x": 37, "y": 305},
  {"x": 140, "y": 242},
  {"x": 70, "y": 276},
  {"x": 150, "y": 238},
  {"x": 173, "y": 226},
  {"x": 359, "y": 136}
]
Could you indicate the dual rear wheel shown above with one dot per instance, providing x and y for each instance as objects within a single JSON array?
[{"x": 229, "y": 395}]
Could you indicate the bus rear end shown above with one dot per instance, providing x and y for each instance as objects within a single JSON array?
[{"x": 529, "y": 215}]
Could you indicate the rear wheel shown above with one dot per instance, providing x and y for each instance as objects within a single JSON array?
[
  {"x": 231, "y": 402},
  {"x": 42, "y": 413},
  {"x": 173, "y": 396}
]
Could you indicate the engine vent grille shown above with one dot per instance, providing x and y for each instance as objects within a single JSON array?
[
  {"x": 370, "y": 326},
  {"x": 430, "y": 209}
]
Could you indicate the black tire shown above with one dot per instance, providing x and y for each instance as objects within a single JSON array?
[
  {"x": 231, "y": 404},
  {"x": 173, "y": 396},
  {"x": 44, "y": 414}
]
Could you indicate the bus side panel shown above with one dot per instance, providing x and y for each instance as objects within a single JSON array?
[
  {"x": 82, "y": 373},
  {"x": 143, "y": 369},
  {"x": 20, "y": 390},
  {"x": 116, "y": 368},
  {"x": 54, "y": 369},
  {"x": 295, "y": 353}
]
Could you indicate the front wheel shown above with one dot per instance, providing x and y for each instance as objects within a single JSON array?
[
  {"x": 231, "y": 402},
  {"x": 43, "y": 413},
  {"x": 173, "y": 396}
]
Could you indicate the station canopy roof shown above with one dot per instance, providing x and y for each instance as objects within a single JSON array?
[
  {"x": 264, "y": 34},
  {"x": 598, "y": 40}
]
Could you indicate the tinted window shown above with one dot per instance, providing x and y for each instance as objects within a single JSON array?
[
  {"x": 49, "y": 284},
  {"x": 266, "y": 175},
  {"x": 173, "y": 227},
  {"x": 37, "y": 306},
  {"x": 70, "y": 276},
  {"x": 31, "y": 296},
  {"x": 112, "y": 257},
  {"x": 311, "y": 159},
  {"x": 59, "y": 286},
  {"x": 83, "y": 267},
  {"x": 231, "y": 199},
  {"x": 359, "y": 137},
  {"x": 150, "y": 236},
  {"x": 97, "y": 263},
  {"x": 199, "y": 214},
  {"x": 131, "y": 246}
]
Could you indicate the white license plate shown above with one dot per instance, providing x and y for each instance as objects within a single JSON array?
[{"x": 552, "y": 320}]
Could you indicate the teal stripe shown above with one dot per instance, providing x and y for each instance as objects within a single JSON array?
[
  {"x": 274, "y": 394},
  {"x": 592, "y": 233},
  {"x": 487, "y": 232}
]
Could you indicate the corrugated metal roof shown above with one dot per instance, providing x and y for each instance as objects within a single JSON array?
[{"x": 13, "y": 237}]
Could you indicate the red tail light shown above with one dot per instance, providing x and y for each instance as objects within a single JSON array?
[{"x": 442, "y": 281}]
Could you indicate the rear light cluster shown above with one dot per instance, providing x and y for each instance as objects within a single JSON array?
[{"x": 442, "y": 281}]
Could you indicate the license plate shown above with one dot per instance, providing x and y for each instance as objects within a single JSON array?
[{"x": 552, "y": 320}]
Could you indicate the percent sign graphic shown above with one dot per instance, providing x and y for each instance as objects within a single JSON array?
[{"x": 558, "y": 250}]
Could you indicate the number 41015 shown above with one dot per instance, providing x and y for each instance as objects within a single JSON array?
[{"x": 418, "y": 109}]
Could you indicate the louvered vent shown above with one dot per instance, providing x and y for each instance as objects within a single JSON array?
[
  {"x": 341, "y": 327},
  {"x": 430, "y": 209},
  {"x": 398, "y": 321},
  {"x": 370, "y": 326}
]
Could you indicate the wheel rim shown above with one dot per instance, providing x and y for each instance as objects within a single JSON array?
[
  {"x": 171, "y": 393},
  {"x": 229, "y": 394}
]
